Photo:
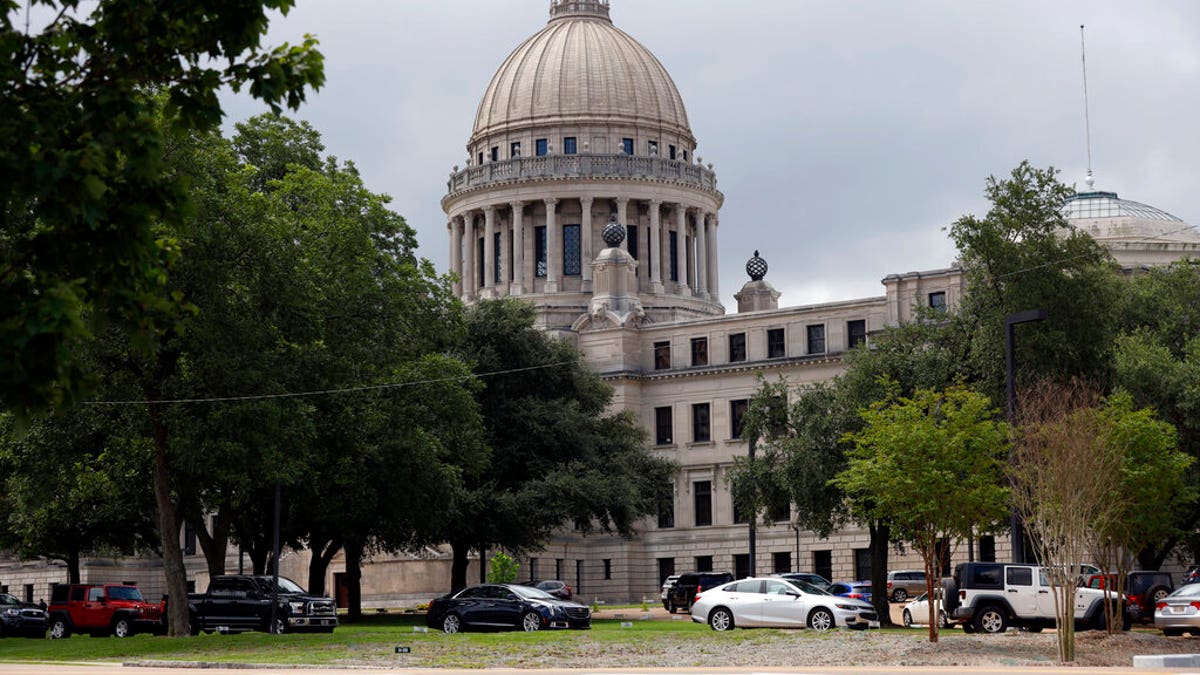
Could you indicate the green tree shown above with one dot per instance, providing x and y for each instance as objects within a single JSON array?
[
  {"x": 557, "y": 454},
  {"x": 1023, "y": 255},
  {"x": 932, "y": 466},
  {"x": 83, "y": 182}
]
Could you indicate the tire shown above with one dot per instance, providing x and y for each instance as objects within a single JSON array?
[
  {"x": 1157, "y": 593},
  {"x": 949, "y": 595},
  {"x": 122, "y": 627},
  {"x": 899, "y": 595},
  {"x": 968, "y": 627},
  {"x": 908, "y": 622},
  {"x": 720, "y": 619},
  {"x": 451, "y": 624},
  {"x": 821, "y": 619},
  {"x": 59, "y": 628},
  {"x": 279, "y": 627},
  {"x": 945, "y": 620},
  {"x": 1172, "y": 632},
  {"x": 671, "y": 607},
  {"x": 990, "y": 619},
  {"x": 531, "y": 621}
]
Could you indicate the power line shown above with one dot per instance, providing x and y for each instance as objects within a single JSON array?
[{"x": 326, "y": 392}]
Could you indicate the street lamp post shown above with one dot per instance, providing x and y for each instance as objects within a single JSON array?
[{"x": 1016, "y": 527}]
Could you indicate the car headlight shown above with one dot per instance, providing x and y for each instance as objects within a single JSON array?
[
  {"x": 12, "y": 612},
  {"x": 296, "y": 607},
  {"x": 850, "y": 607}
]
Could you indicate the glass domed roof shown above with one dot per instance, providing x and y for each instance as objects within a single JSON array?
[{"x": 1098, "y": 204}]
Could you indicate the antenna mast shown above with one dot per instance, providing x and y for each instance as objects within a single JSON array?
[{"x": 1087, "y": 122}]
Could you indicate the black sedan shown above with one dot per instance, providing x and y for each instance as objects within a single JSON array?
[
  {"x": 21, "y": 618},
  {"x": 505, "y": 606}
]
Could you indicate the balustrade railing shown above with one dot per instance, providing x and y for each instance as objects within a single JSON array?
[{"x": 581, "y": 166}]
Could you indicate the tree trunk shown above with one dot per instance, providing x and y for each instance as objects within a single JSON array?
[
  {"x": 214, "y": 545},
  {"x": 168, "y": 530},
  {"x": 258, "y": 558},
  {"x": 1152, "y": 558},
  {"x": 322, "y": 554},
  {"x": 353, "y": 580},
  {"x": 458, "y": 565},
  {"x": 73, "y": 564},
  {"x": 880, "y": 539},
  {"x": 483, "y": 549}
]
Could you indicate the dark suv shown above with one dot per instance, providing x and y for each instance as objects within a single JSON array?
[
  {"x": 21, "y": 618},
  {"x": 683, "y": 593},
  {"x": 1143, "y": 589}
]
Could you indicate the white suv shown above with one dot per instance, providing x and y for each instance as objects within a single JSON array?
[{"x": 990, "y": 597}]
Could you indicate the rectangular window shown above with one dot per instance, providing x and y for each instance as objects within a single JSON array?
[
  {"x": 776, "y": 344},
  {"x": 938, "y": 301},
  {"x": 741, "y": 565},
  {"x": 479, "y": 271},
  {"x": 189, "y": 540},
  {"x": 631, "y": 240},
  {"x": 685, "y": 155},
  {"x": 558, "y": 568},
  {"x": 533, "y": 569},
  {"x": 699, "y": 351},
  {"x": 662, "y": 355},
  {"x": 673, "y": 240},
  {"x": 495, "y": 153},
  {"x": 701, "y": 431},
  {"x": 514, "y": 149},
  {"x": 737, "y": 416},
  {"x": 987, "y": 549},
  {"x": 480, "y": 159},
  {"x": 737, "y": 347},
  {"x": 781, "y": 561},
  {"x": 666, "y": 506},
  {"x": 1018, "y": 576},
  {"x": 541, "y": 149},
  {"x": 704, "y": 563},
  {"x": 498, "y": 263},
  {"x": 572, "y": 265},
  {"x": 652, "y": 148},
  {"x": 512, "y": 275},
  {"x": 539, "y": 250},
  {"x": 608, "y": 568},
  {"x": 579, "y": 576},
  {"x": 816, "y": 339},
  {"x": 662, "y": 426},
  {"x": 862, "y": 563},
  {"x": 28, "y": 592},
  {"x": 666, "y": 567},
  {"x": 627, "y": 146},
  {"x": 856, "y": 333},
  {"x": 671, "y": 151},
  {"x": 569, "y": 147},
  {"x": 781, "y": 512},
  {"x": 702, "y": 496},
  {"x": 823, "y": 563}
]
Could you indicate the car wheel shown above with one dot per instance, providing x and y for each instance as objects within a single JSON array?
[
  {"x": 968, "y": 627},
  {"x": 991, "y": 619},
  {"x": 122, "y": 628},
  {"x": 451, "y": 624},
  {"x": 899, "y": 595},
  {"x": 277, "y": 627},
  {"x": 821, "y": 619},
  {"x": 945, "y": 620},
  {"x": 721, "y": 619},
  {"x": 907, "y": 619},
  {"x": 530, "y": 622},
  {"x": 1157, "y": 594},
  {"x": 59, "y": 629},
  {"x": 671, "y": 607},
  {"x": 1172, "y": 632}
]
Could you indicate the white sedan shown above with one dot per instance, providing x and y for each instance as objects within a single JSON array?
[
  {"x": 779, "y": 603},
  {"x": 917, "y": 612}
]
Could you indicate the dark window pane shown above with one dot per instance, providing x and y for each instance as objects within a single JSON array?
[
  {"x": 662, "y": 355},
  {"x": 737, "y": 415},
  {"x": 737, "y": 347},
  {"x": 938, "y": 300},
  {"x": 862, "y": 563},
  {"x": 631, "y": 240},
  {"x": 674, "y": 242},
  {"x": 541, "y": 147},
  {"x": 856, "y": 333},
  {"x": 666, "y": 567},
  {"x": 480, "y": 273},
  {"x": 699, "y": 351},
  {"x": 671, "y": 151},
  {"x": 571, "y": 251},
  {"x": 702, "y": 491},
  {"x": 987, "y": 549},
  {"x": 701, "y": 431},
  {"x": 514, "y": 150},
  {"x": 741, "y": 566},
  {"x": 627, "y": 146},
  {"x": 662, "y": 426},
  {"x": 539, "y": 250},
  {"x": 776, "y": 345},
  {"x": 823, "y": 563},
  {"x": 666, "y": 506},
  {"x": 704, "y": 563},
  {"x": 816, "y": 339},
  {"x": 495, "y": 153},
  {"x": 781, "y": 561},
  {"x": 569, "y": 145},
  {"x": 499, "y": 258}
]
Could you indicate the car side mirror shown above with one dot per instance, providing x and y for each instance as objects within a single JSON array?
[
  {"x": 794, "y": 594},
  {"x": 511, "y": 596}
]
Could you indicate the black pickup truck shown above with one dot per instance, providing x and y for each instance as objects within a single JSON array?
[{"x": 236, "y": 603}]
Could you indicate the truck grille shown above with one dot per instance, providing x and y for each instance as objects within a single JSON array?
[
  {"x": 31, "y": 613},
  {"x": 578, "y": 612},
  {"x": 868, "y": 616},
  {"x": 322, "y": 608}
]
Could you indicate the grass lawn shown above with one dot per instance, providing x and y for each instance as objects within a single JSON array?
[{"x": 374, "y": 640}]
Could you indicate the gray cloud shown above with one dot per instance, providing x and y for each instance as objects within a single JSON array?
[{"x": 846, "y": 134}]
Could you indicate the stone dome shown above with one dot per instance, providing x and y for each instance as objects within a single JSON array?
[{"x": 580, "y": 68}]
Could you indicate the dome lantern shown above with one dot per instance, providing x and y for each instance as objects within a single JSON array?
[{"x": 592, "y": 8}]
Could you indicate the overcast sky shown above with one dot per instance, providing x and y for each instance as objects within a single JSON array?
[{"x": 846, "y": 135}]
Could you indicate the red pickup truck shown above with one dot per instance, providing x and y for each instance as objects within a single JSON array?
[{"x": 102, "y": 610}]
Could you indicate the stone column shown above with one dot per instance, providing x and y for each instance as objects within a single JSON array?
[
  {"x": 470, "y": 276},
  {"x": 456, "y": 253},
  {"x": 714, "y": 265},
  {"x": 553, "y": 248},
  {"x": 489, "y": 252},
  {"x": 622, "y": 211},
  {"x": 656, "y": 236},
  {"x": 518, "y": 263},
  {"x": 682, "y": 249},
  {"x": 585, "y": 234},
  {"x": 506, "y": 258},
  {"x": 701, "y": 254}
]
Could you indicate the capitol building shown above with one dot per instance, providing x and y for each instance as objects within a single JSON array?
[{"x": 584, "y": 196}]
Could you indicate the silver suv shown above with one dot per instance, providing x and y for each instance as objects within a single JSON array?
[
  {"x": 990, "y": 597},
  {"x": 905, "y": 584}
]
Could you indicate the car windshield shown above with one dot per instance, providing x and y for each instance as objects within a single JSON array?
[
  {"x": 808, "y": 588},
  {"x": 286, "y": 585},
  {"x": 6, "y": 599},
  {"x": 124, "y": 593},
  {"x": 531, "y": 593}
]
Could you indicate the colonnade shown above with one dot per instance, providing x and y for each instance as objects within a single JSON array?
[{"x": 692, "y": 255}]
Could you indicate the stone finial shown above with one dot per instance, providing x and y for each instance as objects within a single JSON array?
[
  {"x": 756, "y": 267},
  {"x": 613, "y": 233}
]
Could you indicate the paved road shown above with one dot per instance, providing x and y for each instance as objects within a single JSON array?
[{"x": 117, "y": 669}]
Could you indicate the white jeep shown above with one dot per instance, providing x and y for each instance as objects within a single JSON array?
[{"x": 990, "y": 597}]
